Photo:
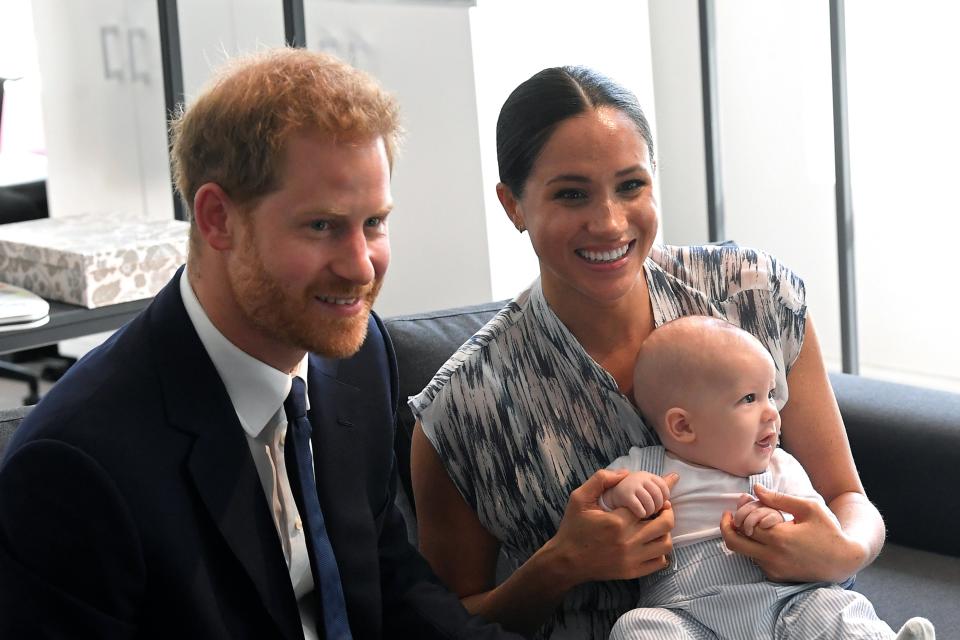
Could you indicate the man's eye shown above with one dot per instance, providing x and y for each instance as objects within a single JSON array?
[
  {"x": 319, "y": 225},
  {"x": 374, "y": 222},
  {"x": 570, "y": 194}
]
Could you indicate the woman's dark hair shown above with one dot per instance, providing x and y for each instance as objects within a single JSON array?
[{"x": 535, "y": 108}]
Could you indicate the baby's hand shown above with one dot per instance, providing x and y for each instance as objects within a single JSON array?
[
  {"x": 641, "y": 492},
  {"x": 752, "y": 514}
]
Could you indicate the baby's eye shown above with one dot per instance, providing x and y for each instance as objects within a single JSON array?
[
  {"x": 772, "y": 394},
  {"x": 750, "y": 397}
]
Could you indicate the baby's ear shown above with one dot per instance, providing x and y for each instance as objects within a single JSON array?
[{"x": 677, "y": 424}]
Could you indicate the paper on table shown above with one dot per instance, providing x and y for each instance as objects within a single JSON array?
[{"x": 21, "y": 309}]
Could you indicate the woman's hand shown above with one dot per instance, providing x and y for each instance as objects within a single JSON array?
[
  {"x": 592, "y": 544},
  {"x": 811, "y": 548},
  {"x": 752, "y": 514}
]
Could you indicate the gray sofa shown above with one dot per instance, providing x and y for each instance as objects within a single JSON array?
[{"x": 905, "y": 441}]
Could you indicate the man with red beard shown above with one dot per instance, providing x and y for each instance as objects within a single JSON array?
[{"x": 222, "y": 467}]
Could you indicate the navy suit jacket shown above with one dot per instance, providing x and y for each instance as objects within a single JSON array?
[{"x": 130, "y": 505}]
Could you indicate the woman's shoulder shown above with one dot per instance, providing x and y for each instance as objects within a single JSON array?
[
  {"x": 479, "y": 351},
  {"x": 722, "y": 271}
]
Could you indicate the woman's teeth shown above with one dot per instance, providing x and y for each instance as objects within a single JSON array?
[{"x": 604, "y": 256}]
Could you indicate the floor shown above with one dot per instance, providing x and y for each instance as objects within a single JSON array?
[{"x": 13, "y": 393}]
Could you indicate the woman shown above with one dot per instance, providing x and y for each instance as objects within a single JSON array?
[{"x": 513, "y": 429}]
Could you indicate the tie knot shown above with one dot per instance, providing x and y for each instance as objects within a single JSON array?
[{"x": 296, "y": 403}]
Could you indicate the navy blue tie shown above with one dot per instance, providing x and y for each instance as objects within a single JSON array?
[{"x": 323, "y": 564}]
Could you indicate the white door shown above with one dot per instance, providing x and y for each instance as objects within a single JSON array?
[
  {"x": 89, "y": 120},
  {"x": 146, "y": 84}
]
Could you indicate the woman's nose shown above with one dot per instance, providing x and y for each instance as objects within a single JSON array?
[{"x": 610, "y": 218}]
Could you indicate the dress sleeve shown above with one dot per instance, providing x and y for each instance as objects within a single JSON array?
[
  {"x": 790, "y": 307},
  {"x": 448, "y": 414}
]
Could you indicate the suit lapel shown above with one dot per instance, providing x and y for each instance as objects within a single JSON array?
[
  {"x": 220, "y": 464},
  {"x": 335, "y": 455},
  {"x": 339, "y": 466}
]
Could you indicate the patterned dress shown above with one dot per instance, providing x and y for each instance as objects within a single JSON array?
[{"x": 521, "y": 415}]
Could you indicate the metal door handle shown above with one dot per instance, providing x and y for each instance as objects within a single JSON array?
[
  {"x": 106, "y": 32},
  {"x": 137, "y": 39}
]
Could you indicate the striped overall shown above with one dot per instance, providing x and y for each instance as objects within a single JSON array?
[{"x": 710, "y": 592}]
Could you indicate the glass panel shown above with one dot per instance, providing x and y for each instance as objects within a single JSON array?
[{"x": 904, "y": 133}]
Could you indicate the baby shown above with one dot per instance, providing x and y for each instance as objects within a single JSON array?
[{"x": 708, "y": 388}]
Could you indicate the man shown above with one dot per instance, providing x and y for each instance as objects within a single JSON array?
[{"x": 153, "y": 492}]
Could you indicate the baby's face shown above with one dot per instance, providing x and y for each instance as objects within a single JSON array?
[{"x": 736, "y": 420}]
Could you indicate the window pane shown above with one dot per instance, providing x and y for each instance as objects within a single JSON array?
[{"x": 904, "y": 134}]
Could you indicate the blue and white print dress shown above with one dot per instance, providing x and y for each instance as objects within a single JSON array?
[{"x": 521, "y": 415}]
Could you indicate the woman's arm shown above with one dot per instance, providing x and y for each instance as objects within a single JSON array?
[
  {"x": 590, "y": 544},
  {"x": 815, "y": 548}
]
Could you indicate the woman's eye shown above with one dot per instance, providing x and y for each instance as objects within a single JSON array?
[
  {"x": 632, "y": 185},
  {"x": 570, "y": 194}
]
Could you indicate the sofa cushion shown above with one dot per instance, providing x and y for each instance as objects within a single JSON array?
[{"x": 905, "y": 582}]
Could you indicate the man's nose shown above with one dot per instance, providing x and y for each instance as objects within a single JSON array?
[{"x": 353, "y": 260}]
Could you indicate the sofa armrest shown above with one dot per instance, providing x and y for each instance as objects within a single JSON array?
[{"x": 906, "y": 444}]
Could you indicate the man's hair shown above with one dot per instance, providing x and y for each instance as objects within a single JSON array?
[{"x": 235, "y": 132}]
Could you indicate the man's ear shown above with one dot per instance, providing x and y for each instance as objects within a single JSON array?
[
  {"x": 677, "y": 424},
  {"x": 212, "y": 209},
  {"x": 511, "y": 205}
]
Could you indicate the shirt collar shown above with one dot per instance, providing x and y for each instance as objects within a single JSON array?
[{"x": 256, "y": 389}]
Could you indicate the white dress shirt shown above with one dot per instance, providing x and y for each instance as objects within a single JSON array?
[{"x": 257, "y": 392}]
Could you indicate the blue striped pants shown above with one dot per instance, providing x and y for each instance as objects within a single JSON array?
[{"x": 709, "y": 593}]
